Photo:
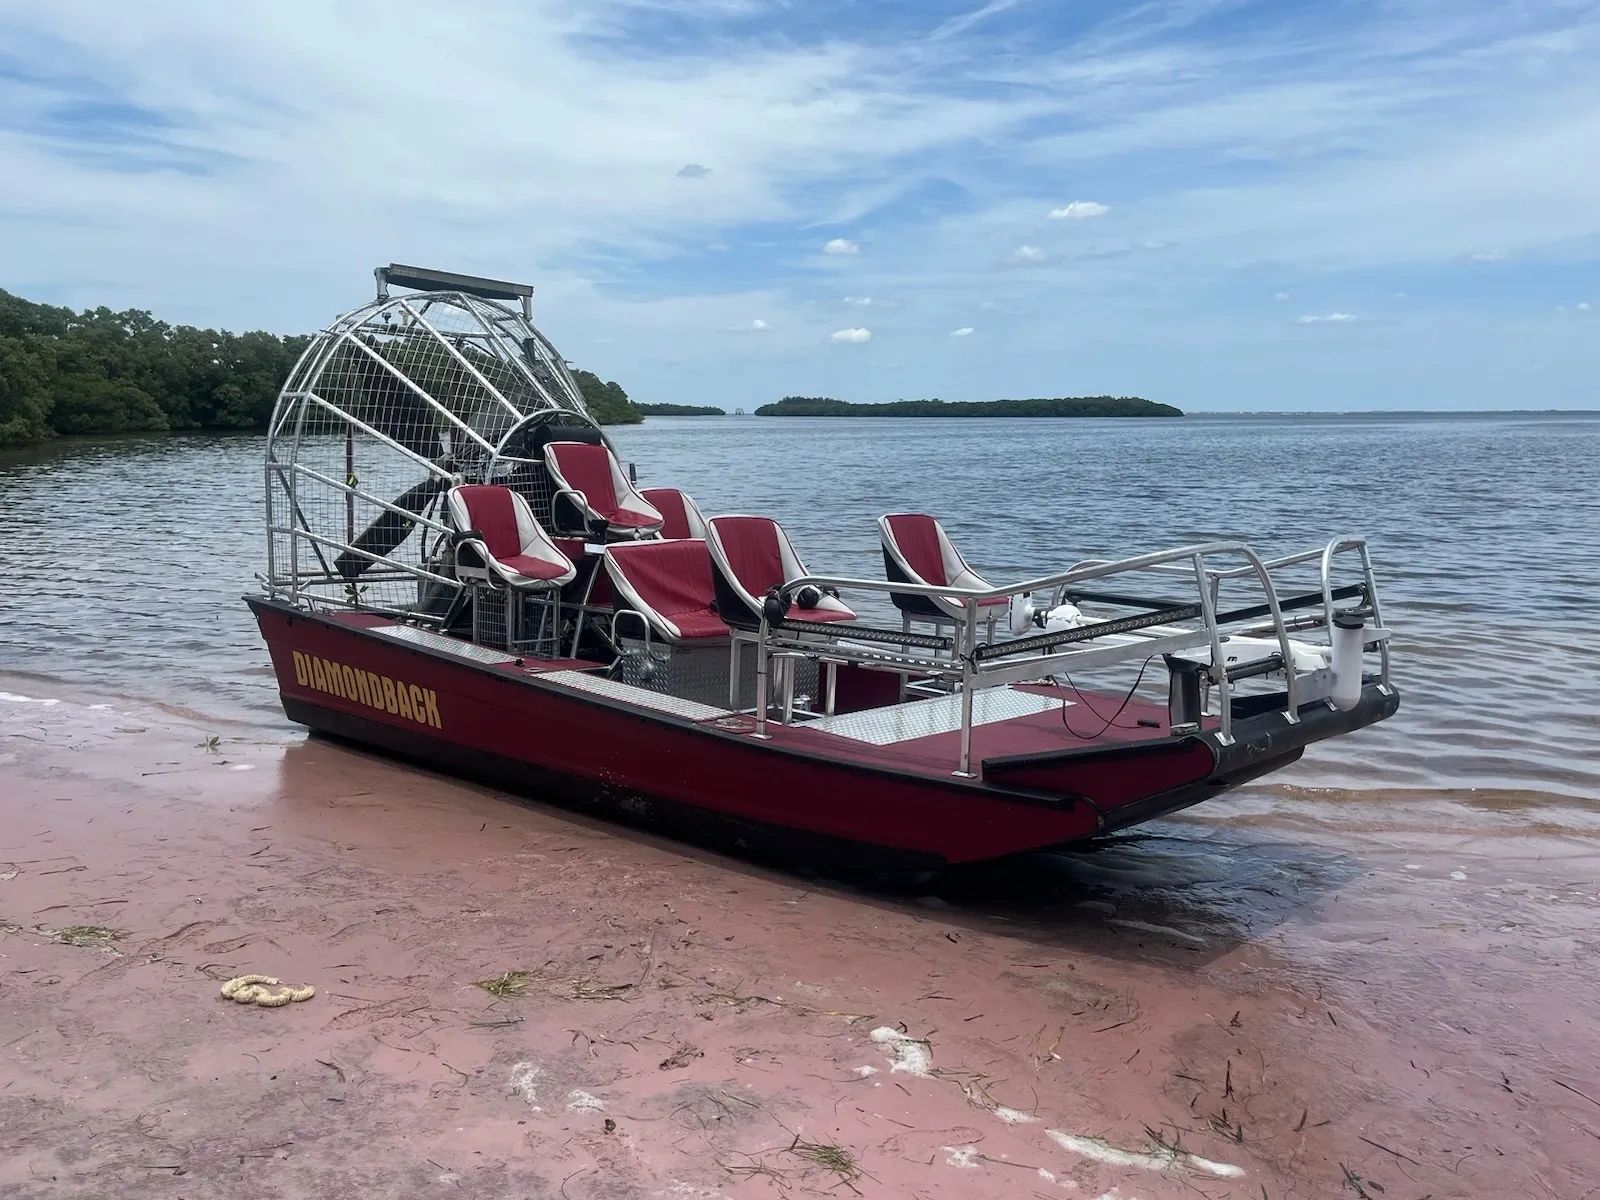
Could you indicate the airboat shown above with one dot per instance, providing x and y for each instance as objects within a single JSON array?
[{"x": 463, "y": 571}]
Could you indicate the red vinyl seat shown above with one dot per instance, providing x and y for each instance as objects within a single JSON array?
[
  {"x": 607, "y": 498},
  {"x": 916, "y": 549},
  {"x": 515, "y": 550},
  {"x": 681, "y": 516},
  {"x": 668, "y": 583},
  {"x": 752, "y": 555}
]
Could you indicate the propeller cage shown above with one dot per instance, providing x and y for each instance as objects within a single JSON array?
[{"x": 389, "y": 406}]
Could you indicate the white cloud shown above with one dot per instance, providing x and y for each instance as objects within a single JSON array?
[
  {"x": 841, "y": 246},
  {"x": 1281, "y": 296},
  {"x": 758, "y": 323},
  {"x": 203, "y": 143},
  {"x": 858, "y": 301},
  {"x": 850, "y": 335},
  {"x": 1333, "y": 318},
  {"x": 1498, "y": 254},
  {"x": 1582, "y": 306},
  {"x": 1080, "y": 210},
  {"x": 964, "y": 331},
  {"x": 958, "y": 25},
  {"x": 1409, "y": 136}
]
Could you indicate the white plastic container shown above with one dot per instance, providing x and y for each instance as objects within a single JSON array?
[{"x": 1349, "y": 633}]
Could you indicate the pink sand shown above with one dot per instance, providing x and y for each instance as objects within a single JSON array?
[{"x": 1263, "y": 1000}]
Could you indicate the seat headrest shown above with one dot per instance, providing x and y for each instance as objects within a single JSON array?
[{"x": 682, "y": 516}]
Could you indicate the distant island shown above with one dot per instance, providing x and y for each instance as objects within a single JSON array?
[
  {"x": 680, "y": 410},
  {"x": 1060, "y": 406}
]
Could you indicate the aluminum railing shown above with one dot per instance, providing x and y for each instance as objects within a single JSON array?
[{"x": 974, "y": 665}]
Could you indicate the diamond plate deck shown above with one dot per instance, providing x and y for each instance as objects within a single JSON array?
[
  {"x": 442, "y": 643},
  {"x": 923, "y": 718},
  {"x": 584, "y": 681}
]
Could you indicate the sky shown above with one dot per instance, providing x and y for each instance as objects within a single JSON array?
[{"x": 1224, "y": 205}]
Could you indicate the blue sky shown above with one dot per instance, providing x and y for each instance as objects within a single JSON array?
[{"x": 1225, "y": 205}]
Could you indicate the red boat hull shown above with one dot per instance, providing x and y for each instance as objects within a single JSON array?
[{"x": 500, "y": 722}]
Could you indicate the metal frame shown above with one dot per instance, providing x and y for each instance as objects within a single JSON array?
[
  {"x": 1039, "y": 657},
  {"x": 505, "y": 335}
]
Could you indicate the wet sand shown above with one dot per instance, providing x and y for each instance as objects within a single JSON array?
[{"x": 1284, "y": 994}]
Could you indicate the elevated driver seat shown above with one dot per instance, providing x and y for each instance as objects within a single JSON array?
[{"x": 590, "y": 479}]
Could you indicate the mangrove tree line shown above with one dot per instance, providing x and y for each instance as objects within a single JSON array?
[{"x": 100, "y": 371}]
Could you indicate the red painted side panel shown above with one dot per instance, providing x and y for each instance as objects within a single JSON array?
[
  {"x": 506, "y": 712},
  {"x": 1111, "y": 777}
]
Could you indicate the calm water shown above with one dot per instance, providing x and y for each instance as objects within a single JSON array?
[{"x": 123, "y": 559}]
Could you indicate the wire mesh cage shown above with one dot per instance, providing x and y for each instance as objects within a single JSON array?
[{"x": 390, "y": 406}]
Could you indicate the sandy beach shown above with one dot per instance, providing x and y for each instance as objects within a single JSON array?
[{"x": 1316, "y": 996}]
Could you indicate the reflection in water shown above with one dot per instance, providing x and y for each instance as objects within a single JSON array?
[
  {"x": 1175, "y": 891},
  {"x": 124, "y": 559}
]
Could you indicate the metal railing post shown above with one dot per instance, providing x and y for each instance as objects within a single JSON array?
[
  {"x": 294, "y": 499},
  {"x": 1219, "y": 666},
  {"x": 969, "y": 642},
  {"x": 763, "y": 697},
  {"x": 1291, "y": 679},
  {"x": 1377, "y": 613},
  {"x": 1360, "y": 546}
]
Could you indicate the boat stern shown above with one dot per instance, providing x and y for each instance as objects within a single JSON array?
[{"x": 1130, "y": 782}]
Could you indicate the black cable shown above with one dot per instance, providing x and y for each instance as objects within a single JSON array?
[{"x": 1110, "y": 721}]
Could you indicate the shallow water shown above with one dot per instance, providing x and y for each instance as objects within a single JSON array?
[{"x": 124, "y": 558}]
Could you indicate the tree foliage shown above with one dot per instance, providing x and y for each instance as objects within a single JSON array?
[
  {"x": 1061, "y": 406},
  {"x": 607, "y": 402},
  {"x": 25, "y": 401},
  {"x": 680, "y": 410},
  {"x": 100, "y": 371}
]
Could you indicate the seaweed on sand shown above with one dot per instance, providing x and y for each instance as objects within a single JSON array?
[
  {"x": 88, "y": 935},
  {"x": 830, "y": 1157},
  {"x": 506, "y": 984}
]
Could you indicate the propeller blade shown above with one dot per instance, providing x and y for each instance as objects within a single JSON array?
[
  {"x": 392, "y": 408},
  {"x": 385, "y": 535}
]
